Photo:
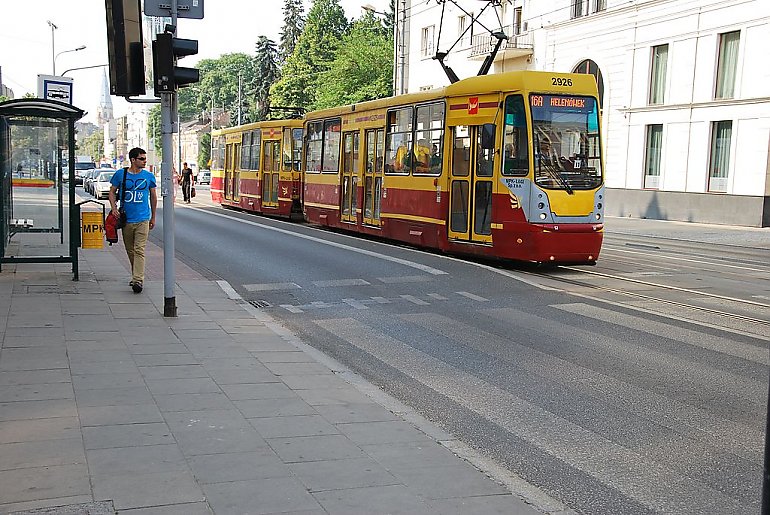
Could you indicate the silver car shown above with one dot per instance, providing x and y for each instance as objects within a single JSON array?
[{"x": 101, "y": 183}]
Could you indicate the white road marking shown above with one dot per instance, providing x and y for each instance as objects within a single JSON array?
[
  {"x": 472, "y": 296},
  {"x": 412, "y": 264},
  {"x": 415, "y": 300},
  {"x": 271, "y": 286}
]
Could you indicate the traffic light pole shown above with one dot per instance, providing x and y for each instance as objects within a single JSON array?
[{"x": 167, "y": 116}]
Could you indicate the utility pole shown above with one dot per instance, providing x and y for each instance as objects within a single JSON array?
[
  {"x": 240, "y": 109},
  {"x": 168, "y": 78}
]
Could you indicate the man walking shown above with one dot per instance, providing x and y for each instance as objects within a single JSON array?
[
  {"x": 187, "y": 179},
  {"x": 139, "y": 202}
]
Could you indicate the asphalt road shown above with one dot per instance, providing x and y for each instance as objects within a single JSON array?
[{"x": 636, "y": 386}]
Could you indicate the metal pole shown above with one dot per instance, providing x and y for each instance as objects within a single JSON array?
[
  {"x": 167, "y": 192},
  {"x": 53, "y": 48},
  {"x": 167, "y": 115},
  {"x": 239, "y": 98}
]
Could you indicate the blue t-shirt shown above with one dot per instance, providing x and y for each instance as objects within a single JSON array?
[{"x": 137, "y": 201}]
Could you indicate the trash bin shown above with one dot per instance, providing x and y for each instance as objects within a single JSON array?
[{"x": 92, "y": 229}]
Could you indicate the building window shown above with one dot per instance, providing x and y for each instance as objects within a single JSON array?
[
  {"x": 517, "y": 21},
  {"x": 577, "y": 9},
  {"x": 728, "y": 63},
  {"x": 590, "y": 67},
  {"x": 426, "y": 47},
  {"x": 719, "y": 166},
  {"x": 653, "y": 148},
  {"x": 462, "y": 35},
  {"x": 658, "y": 74},
  {"x": 599, "y": 5}
]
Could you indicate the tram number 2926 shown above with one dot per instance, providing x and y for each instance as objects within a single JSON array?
[{"x": 558, "y": 81}]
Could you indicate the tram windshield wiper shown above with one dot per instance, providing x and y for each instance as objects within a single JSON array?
[{"x": 554, "y": 174}]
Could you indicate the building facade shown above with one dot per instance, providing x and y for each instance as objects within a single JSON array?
[{"x": 685, "y": 96}]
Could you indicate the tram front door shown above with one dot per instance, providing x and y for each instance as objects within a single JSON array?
[{"x": 471, "y": 181}]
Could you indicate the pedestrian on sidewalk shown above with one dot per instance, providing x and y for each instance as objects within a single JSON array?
[
  {"x": 139, "y": 202},
  {"x": 187, "y": 180}
]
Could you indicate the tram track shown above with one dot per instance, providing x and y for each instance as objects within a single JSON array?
[{"x": 760, "y": 323}]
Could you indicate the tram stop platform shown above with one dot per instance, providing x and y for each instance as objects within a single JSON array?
[{"x": 108, "y": 407}]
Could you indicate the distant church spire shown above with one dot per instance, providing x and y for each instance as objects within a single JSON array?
[{"x": 104, "y": 112}]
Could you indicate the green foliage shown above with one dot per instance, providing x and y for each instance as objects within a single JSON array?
[
  {"x": 204, "y": 151},
  {"x": 315, "y": 51},
  {"x": 93, "y": 145},
  {"x": 362, "y": 69},
  {"x": 267, "y": 72},
  {"x": 218, "y": 86},
  {"x": 3, "y": 98},
  {"x": 293, "y": 24},
  {"x": 153, "y": 123}
]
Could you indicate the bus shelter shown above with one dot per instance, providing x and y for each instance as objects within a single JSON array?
[{"x": 39, "y": 221}]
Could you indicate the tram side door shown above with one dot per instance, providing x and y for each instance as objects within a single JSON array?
[
  {"x": 375, "y": 156},
  {"x": 349, "y": 178},
  {"x": 271, "y": 166},
  {"x": 229, "y": 169},
  {"x": 471, "y": 183}
]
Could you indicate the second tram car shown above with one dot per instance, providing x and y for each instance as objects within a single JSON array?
[{"x": 506, "y": 165}]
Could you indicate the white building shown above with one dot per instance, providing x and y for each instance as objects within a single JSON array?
[{"x": 684, "y": 87}]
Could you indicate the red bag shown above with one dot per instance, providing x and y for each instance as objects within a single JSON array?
[{"x": 111, "y": 228}]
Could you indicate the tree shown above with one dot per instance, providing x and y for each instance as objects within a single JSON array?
[
  {"x": 93, "y": 145},
  {"x": 266, "y": 73},
  {"x": 218, "y": 86},
  {"x": 315, "y": 50},
  {"x": 293, "y": 23},
  {"x": 204, "y": 151},
  {"x": 362, "y": 69},
  {"x": 153, "y": 119}
]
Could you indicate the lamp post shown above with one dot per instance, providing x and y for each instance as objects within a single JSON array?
[
  {"x": 81, "y": 47},
  {"x": 53, "y": 46}
]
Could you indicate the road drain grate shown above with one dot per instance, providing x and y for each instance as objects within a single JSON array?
[{"x": 259, "y": 303}]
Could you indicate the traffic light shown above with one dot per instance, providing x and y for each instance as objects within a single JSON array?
[
  {"x": 166, "y": 49},
  {"x": 125, "y": 47}
]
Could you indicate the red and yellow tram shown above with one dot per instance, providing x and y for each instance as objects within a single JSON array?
[
  {"x": 506, "y": 165},
  {"x": 256, "y": 167}
]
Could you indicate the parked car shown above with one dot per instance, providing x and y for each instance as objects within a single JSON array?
[
  {"x": 101, "y": 184},
  {"x": 88, "y": 180},
  {"x": 81, "y": 168},
  {"x": 204, "y": 177}
]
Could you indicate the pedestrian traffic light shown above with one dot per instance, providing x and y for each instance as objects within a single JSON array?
[
  {"x": 166, "y": 49},
  {"x": 125, "y": 47}
]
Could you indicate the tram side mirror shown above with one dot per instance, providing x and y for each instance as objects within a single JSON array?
[{"x": 488, "y": 136}]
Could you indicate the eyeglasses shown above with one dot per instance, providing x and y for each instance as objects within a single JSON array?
[{"x": 141, "y": 158}]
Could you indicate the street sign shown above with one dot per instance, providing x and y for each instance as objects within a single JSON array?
[
  {"x": 51, "y": 87},
  {"x": 192, "y": 9}
]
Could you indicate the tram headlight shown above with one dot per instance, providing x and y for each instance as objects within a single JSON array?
[
  {"x": 599, "y": 205},
  {"x": 540, "y": 205},
  {"x": 543, "y": 216},
  {"x": 598, "y": 216}
]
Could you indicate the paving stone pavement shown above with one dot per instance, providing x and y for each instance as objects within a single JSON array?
[{"x": 108, "y": 407}]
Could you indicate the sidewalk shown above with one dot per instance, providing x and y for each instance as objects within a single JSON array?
[{"x": 107, "y": 407}]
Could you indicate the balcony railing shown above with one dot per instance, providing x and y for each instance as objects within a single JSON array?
[{"x": 520, "y": 44}]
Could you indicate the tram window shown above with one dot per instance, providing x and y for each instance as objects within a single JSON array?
[
  {"x": 245, "y": 150},
  {"x": 482, "y": 213},
  {"x": 429, "y": 135},
  {"x": 215, "y": 153},
  {"x": 515, "y": 142},
  {"x": 398, "y": 141},
  {"x": 286, "y": 151},
  {"x": 296, "y": 148},
  {"x": 314, "y": 147},
  {"x": 331, "y": 146},
  {"x": 256, "y": 144}
]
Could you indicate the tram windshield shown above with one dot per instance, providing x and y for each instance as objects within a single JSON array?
[{"x": 565, "y": 131}]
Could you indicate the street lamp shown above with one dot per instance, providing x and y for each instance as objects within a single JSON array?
[
  {"x": 371, "y": 9},
  {"x": 81, "y": 47},
  {"x": 53, "y": 46}
]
